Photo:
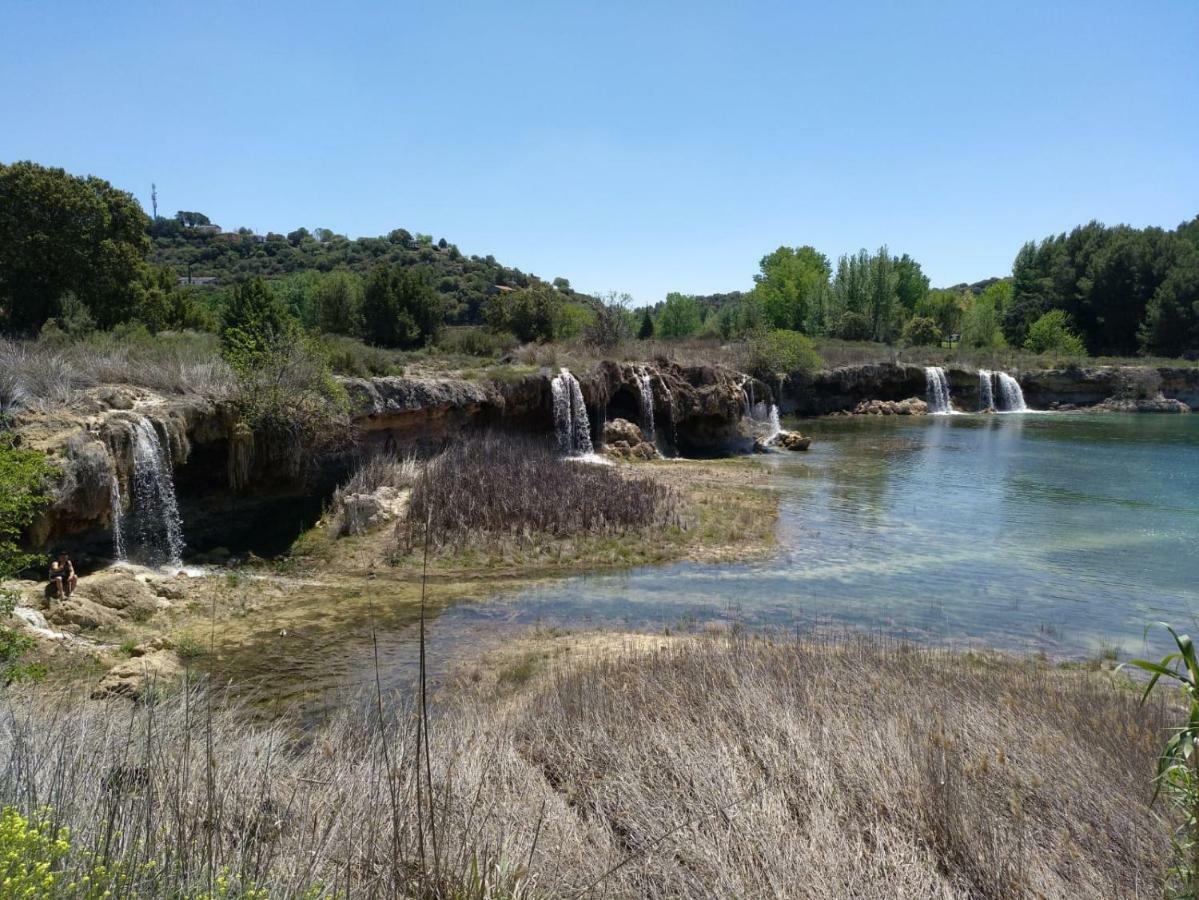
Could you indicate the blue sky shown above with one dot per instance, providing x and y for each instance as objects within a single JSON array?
[{"x": 640, "y": 147}]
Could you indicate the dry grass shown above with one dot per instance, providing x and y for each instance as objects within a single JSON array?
[
  {"x": 50, "y": 374},
  {"x": 376, "y": 471},
  {"x": 713, "y": 767},
  {"x": 515, "y": 486}
]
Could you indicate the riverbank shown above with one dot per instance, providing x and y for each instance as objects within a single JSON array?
[
  {"x": 296, "y": 627},
  {"x": 632, "y": 766}
]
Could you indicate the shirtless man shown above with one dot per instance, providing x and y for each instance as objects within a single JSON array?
[{"x": 62, "y": 575}]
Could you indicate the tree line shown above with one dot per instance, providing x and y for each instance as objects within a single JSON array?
[{"x": 77, "y": 253}]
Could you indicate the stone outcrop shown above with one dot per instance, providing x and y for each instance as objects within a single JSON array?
[
  {"x": 792, "y": 440},
  {"x": 152, "y": 666},
  {"x": 913, "y": 406},
  {"x": 843, "y": 388},
  {"x": 1158, "y": 404},
  {"x": 624, "y": 440}
]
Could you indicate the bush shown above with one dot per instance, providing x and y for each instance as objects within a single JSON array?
[
  {"x": 400, "y": 308},
  {"x": 679, "y": 317},
  {"x": 470, "y": 340},
  {"x": 920, "y": 331},
  {"x": 781, "y": 352},
  {"x": 349, "y": 356},
  {"x": 532, "y": 314},
  {"x": 1051, "y": 334},
  {"x": 854, "y": 327},
  {"x": 504, "y": 485},
  {"x": 611, "y": 322}
]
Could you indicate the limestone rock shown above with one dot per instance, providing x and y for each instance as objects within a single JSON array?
[
  {"x": 624, "y": 440},
  {"x": 81, "y": 613},
  {"x": 1158, "y": 404},
  {"x": 121, "y": 591},
  {"x": 133, "y": 677},
  {"x": 792, "y": 440},
  {"x": 366, "y": 512},
  {"x": 913, "y": 406}
]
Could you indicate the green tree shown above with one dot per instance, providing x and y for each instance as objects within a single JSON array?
[
  {"x": 679, "y": 317},
  {"x": 920, "y": 331},
  {"x": 63, "y": 234},
  {"x": 337, "y": 303},
  {"x": 1171, "y": 326},
  {"x": 911, "y": 284},
  {"x": 1051, "y": 334},
  {"x": 532, "y": 314},
  {"x": 400, "y": 308},
  {"x": 781, "y": 353},
  {"x": 254, "y": 320},
  {"x": 24, "y": 476},
  {"x": 646, "y": 331},
  {"x": 791, "y": 287}
]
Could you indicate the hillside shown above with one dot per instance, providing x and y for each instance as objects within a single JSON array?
[{"x": 214, "y": 258}]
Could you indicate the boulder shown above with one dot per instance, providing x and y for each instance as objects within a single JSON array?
[
  {"x": 135, "y": 676},
  {"x": 121, "y": 591},
  {"x": 1158, "y": 404},
  {"x": 81, "y": 614},
  {"x": 913, "y": 406},
  {"x": 624, "y": 440},
  {"x": 792, "y": 440},
  {"x": 366, "y": 512}
]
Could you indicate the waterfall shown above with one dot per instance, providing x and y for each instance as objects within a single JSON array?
[
  {"x": 1011, "y": 398},
  {"x": 571, "y": 424},
  {"x": 937, "y": 390},
  {"x": 157, "y": 527},
  {"x": 766, "y": 414},
  {"x": 647, "y": 404},
  {"x": 986, "y": 399},
  {"x": 118, "y": 519}
]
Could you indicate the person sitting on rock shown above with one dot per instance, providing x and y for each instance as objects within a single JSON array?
[{"x": 62, "y": 575}]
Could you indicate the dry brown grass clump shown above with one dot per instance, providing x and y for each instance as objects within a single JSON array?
[
  {"x": 709, "y": 768},
  {"x": 507, "y": 485}
]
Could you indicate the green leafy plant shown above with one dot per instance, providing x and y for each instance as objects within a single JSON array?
[
  {"x": 1178, "y": 765},
  {"x": 782, "y": 352}
]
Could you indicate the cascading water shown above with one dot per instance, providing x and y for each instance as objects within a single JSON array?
[
  {"x": 118, "y": 519},
  {"x": 986, "y": 398},
  {"x": 571, "y": 424},
  {"x": 647, "y": 404},
  {"x": 1011, "y": 398},
  {"x": 937, "y": 391},
  {"x": 156, "y": 527},
  {"x": 761, "y": 414}
]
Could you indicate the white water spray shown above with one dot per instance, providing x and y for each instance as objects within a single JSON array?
[
  {"x": 118, "y": 519},
  {"x": 1011, "y": 397},
  {"x": 158, "y": 528},
  {"x": 571, "y": 424},
  {"x": 986, "y": 398},
  {"x": 937, "y": 391},
  {"x": 647, "y": 404}
]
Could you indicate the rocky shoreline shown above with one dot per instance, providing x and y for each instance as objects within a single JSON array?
[{"x": 699, "y": 411}]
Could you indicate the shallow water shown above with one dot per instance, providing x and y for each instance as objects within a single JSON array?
[{"x": 1067, "y": 533}]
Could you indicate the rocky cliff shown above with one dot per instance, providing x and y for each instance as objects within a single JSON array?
[{"x": 227, "y": 498}]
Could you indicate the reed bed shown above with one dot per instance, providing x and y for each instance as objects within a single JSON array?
[
  {"x": 509, "y": 485},
  {"x": 714, "y": 766}
]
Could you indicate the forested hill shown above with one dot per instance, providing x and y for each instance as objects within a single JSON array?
[{"x": 197, "y": 249}]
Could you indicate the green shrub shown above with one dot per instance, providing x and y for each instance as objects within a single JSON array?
[
  {"x": 31, "y": 854},
  {"x": 1051, "y": 334},
  {"x": 349, "y": 356},
  {"x": 782, "y": 352},
  {"x": 921, "y": 331},
  {"x": 854, "y": 327},
  {"x": 470, "y": 340},
  {"x": 531, "y": 314}
]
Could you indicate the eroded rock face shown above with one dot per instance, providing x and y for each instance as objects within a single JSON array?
[
  {"x": 792, "y": 440},
  {"x": 1157, "y": 404},
  {"x": 843, "y": 388}
]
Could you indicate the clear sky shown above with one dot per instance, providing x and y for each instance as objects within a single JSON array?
[{"x": 642, "y": 146}]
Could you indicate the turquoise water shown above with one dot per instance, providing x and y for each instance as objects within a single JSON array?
[{"x": 1065, "y": 533}]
